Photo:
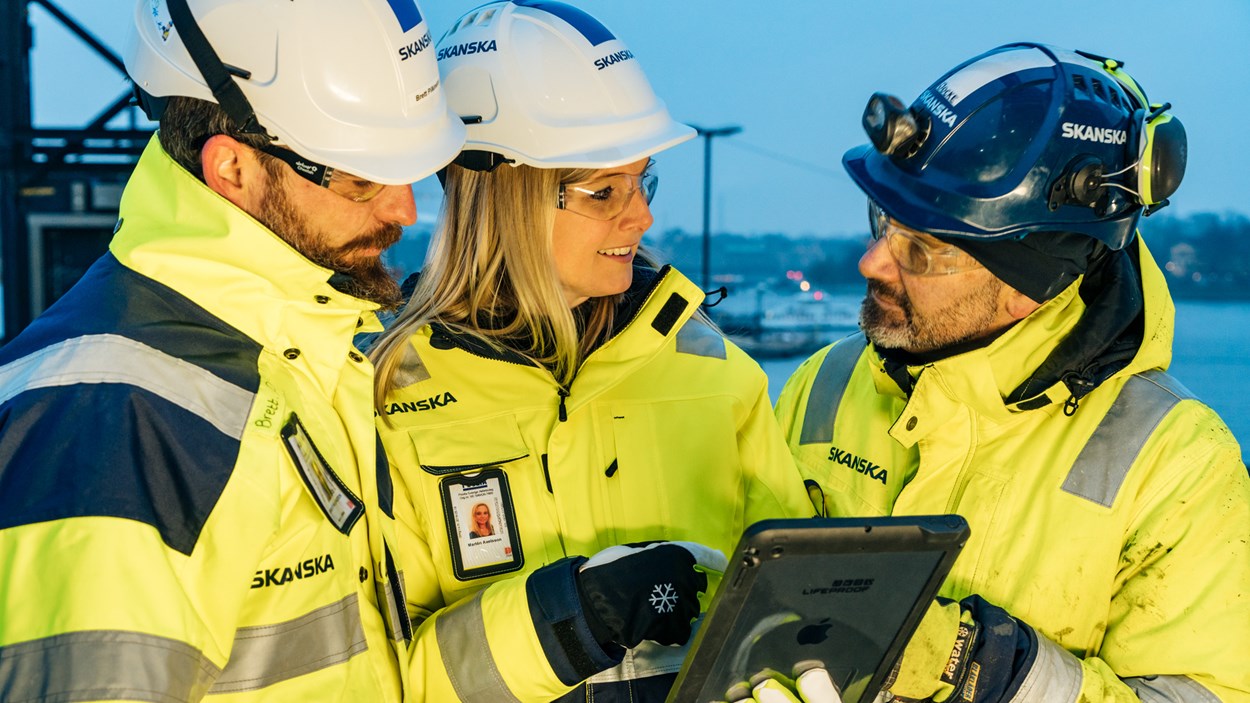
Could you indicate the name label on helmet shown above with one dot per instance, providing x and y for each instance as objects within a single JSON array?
[
  {"x": 614, "y": 58},
  {"x": 467, "y": 48},
  {"x": 407, "y": 52},
  {"x": 937, "y": 108},
  {"x": 1084, "y": 132}
]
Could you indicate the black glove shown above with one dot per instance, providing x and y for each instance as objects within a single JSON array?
[{"x": 648, "y": 591}]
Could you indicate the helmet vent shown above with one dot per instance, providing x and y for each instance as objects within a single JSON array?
[
  {"x": 1078, "y": 82},
  {"x": 1098, "y": 88},
  {"x": 486, "y": 16}
]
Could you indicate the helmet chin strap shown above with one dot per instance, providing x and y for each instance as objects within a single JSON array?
[{"x": 216, "y": 74}]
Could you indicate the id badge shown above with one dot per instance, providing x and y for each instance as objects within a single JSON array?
[
  {"x": 338, "y": 503},
  {"x": 481, "y": 525}
]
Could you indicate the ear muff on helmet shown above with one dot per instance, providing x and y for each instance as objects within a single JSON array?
[
  {"x": 1156, "y": 136},
  {"x": 1163, "y": 159},
  {"x": 1020, "y": 139}
]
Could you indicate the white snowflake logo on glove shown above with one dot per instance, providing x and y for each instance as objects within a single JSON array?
[{"x": 664, "y": 598}]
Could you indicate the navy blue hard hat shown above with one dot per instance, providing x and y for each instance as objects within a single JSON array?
[{"x": 1023, "y": 138}]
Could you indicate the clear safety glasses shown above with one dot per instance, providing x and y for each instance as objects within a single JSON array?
[
  {"x": 354, "y": 188},
  {"x": 916, "y": 252},
  {"x": 605, "y": 198}
]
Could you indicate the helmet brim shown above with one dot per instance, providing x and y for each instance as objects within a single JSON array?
[
  {"x": 397, "y": 156},
  {"x": 666, "y": 136},
  {"x": 879, "y": 180}
]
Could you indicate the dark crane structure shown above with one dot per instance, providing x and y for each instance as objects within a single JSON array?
[{"x": 59, "y": 187}]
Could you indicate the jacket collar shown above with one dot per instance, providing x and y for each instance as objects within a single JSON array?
[
  {"x": 654, "y": 308},
  {"x": 1061, "y": 351},
  {"x": 175, "y": 229}
]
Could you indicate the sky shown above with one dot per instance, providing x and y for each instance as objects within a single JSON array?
[{"x": 795, "y": 75}]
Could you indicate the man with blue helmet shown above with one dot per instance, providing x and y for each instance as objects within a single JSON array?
[{"x": 1011, "y": 368}]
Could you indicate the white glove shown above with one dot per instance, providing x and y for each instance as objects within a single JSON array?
[{"x": 811, "y": 686}]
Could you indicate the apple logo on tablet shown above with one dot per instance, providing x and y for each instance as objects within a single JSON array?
[{"x": 814, "y": 634}]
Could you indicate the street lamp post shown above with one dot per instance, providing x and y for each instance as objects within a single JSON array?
[{"x": 708, "y": 134}]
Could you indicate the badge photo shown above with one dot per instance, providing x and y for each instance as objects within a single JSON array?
[{"x": 481, "y": 529}]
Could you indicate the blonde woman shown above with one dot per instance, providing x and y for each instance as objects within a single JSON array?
[
  {"x": 543, "y": 362},
  {"x": 481, "y": 522}
]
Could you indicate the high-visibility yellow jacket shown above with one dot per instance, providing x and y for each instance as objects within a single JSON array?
[
  {"x": 666, "y": 433},
  {"x": 158, "y": 540},
  {"x": 1116, "y": 530}
]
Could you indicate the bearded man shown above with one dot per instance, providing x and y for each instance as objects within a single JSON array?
[
  {"x": 1011, "y": 369},
  {"x": 193, "y": 500}
]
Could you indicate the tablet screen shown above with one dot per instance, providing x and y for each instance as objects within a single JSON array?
[{"x": 841, "y": 594}]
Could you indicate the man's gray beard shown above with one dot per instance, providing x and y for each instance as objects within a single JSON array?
[
  {"x": 364, "y": 278},
  {"x": 968, "y": 318}
]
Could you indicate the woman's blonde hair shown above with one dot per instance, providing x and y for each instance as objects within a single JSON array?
[{"x": 490, "y": 273}]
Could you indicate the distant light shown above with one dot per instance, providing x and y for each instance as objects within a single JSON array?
[
  {"x": 818, "y": 295},
  {"x": 805, "y": 286}
]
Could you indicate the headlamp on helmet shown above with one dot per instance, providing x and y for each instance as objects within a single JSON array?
[
  {"x": 895, "y": 130},
  {"x": 1024, "y": 138}
]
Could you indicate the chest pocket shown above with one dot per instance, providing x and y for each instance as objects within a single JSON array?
[
  {"x": 469, "y": 446},
  {"x": 337, "y": 501},
  {"x": 476, "y": 480}
]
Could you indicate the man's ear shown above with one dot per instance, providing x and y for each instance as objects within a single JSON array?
[
  {"x": 1019, "y": 305},
  {"x": 234, "y": 172}
]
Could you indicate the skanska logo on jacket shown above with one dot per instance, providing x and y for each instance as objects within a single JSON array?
[
  {"x": 467, "y": 48},
  {"x": 434, "y": 402},
  {"x": 610, "y": 59},
  {"x": 283, "y": 575},
  {"x": 858, "y": 464}
]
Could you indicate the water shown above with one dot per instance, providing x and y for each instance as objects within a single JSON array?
[{"x": 1211, "y": 356}]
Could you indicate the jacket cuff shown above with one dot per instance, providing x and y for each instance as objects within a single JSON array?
[
  {"x": 1003, "y": 655},
  {"x": 561, "y": 625}
]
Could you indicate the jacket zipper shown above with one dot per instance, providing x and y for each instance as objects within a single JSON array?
[
  {"x": 964, "y": 476},
  {"x": 563, "y": 393}
]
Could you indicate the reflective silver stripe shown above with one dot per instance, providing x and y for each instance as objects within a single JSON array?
[
  {"x": 268, "y": 654},
  {"x": 1170, "y": 689},
  {"x": 390, "y": 608},
  {"x": 647, "y": 659},
  {"x": 104, "y": 665},
  {"x": 696, "y": 338},
  {"x": 461, "y": 634},
  {"x": 1054, "y": 677},
  {"x": 109, "y": 358},
  {"x": 411, "y": 369},
  {"x": 826, "y": 392},
  {"x": 1103, "y": 463}
]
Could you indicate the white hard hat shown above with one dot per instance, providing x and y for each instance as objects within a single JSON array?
[
  {"x": 545, "y": 84},
  {"x": 350, "y": 83}
]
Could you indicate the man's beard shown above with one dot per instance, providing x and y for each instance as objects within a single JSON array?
[
  {"x": 965, "y": 319},
  {"x": 361, "y": 277}
]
